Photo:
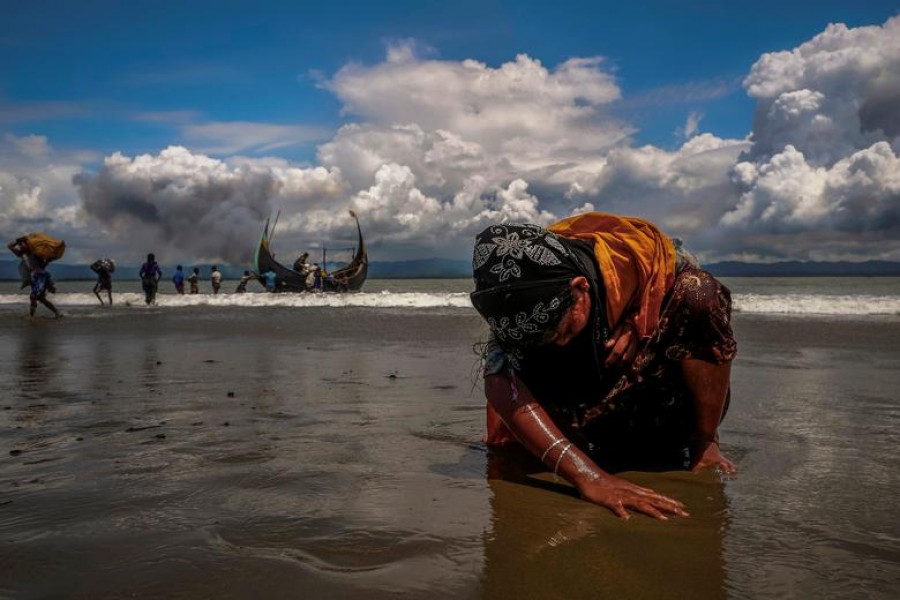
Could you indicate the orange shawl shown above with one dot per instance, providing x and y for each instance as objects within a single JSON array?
[{"x": 637, "y": 263}]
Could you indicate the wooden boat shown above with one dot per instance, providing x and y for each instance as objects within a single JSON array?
[{"x": 346, "y": 279}]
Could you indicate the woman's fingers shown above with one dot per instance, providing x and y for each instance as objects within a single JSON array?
[
  {"x": 728, "y": 466},
  {"x": 653, "y": 504},
  {"x": 656, "y": 496},
  {"x": 621, "y": 347},
  {"x": 616, "y": 354},
  {"x": 621, "y": 497},
  {"x": 649, "y": 509},
  {"x": 620, "y": 510},
  {"x": 668, "y": 505},
  {"x": 712, "y": 457}
]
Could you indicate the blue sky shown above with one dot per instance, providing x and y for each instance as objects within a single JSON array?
[
  {"x": 88, "y": 63},
  {"x": 95, "y": 78}
]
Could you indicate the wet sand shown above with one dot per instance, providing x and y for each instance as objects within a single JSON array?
[{"x": 320, "y": 453}]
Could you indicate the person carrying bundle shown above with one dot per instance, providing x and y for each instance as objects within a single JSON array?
[
  {"x": 104, "y": 269},
  {"x": 37, "y": 250}
]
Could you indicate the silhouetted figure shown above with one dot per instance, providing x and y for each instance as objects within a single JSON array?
[
  {"x": 242, "y": 284},
  {"x": 150, "y": 275},
  {"x": 194, "y": 280},
  {"x": 216, "y": 279},
  {"x": 104, "y": 269},
  {"x": 178, "y": 279}
]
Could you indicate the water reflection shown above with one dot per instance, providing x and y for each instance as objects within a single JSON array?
[
  {"x": 545, "y": 543},
  {"x": 37, "y": 371},
  {"x": 101, "y": 370},
  {"x": 150, "y": 362},
  {"x": 38, "y": 362}
]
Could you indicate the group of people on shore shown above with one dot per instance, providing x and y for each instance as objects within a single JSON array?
[
  {"x": 36, "y": 251},
  {"x": 193, "y": 280},
  {"x": 151, "y": 274}
]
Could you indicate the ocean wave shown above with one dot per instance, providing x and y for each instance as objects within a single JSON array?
[
  {"x": 362, "y": 299},
  {"x": 810, "y": 304},
  {"x": 785, "y": 304}
]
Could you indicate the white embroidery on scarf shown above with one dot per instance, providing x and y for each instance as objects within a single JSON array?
[
  {"x": 512, "y": 248},
  {"x": 507, "y": 331},
  {"x": 482, "y": 254}
]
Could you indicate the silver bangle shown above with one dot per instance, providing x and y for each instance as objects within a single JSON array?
[
  {"x": 551, "y": 447},
  {"x": 560, "y": 457}
]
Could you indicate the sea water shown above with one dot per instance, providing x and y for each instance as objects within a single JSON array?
[
  {"x": 797, "y": 296},
  {"x": 329, "y": 446}
]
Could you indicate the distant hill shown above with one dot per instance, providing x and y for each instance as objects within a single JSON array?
[
  {"x": 447, "y": 268},
  {"x": 423, "y": 268}
]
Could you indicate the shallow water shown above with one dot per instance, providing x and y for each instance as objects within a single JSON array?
[{"x": 317, "y": 453}]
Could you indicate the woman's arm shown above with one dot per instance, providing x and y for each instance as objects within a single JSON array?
[
  {"x": 532, "y": 426},
  {"x": 708, "y": 385}
]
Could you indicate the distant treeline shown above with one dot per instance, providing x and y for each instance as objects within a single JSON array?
[{"x": 447, "y": 268}]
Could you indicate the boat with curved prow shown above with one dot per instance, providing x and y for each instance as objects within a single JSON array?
[{"x": 346, "y": 279}]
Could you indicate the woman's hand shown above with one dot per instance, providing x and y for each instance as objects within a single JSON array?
[
  {"x": 532, "y": 427},
  {"x": 709, "y": 455},
  {"x": 620, "y": 496},
  {"x": 621, "y": 347}
]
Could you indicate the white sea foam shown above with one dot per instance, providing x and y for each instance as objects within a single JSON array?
[
  {"x": 786, "y": 304},
  {"x": 372, "y": 300},
  {"x": 809, "y": 304}
]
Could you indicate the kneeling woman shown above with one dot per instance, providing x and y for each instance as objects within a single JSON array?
[{"x": 610, "y": 350}]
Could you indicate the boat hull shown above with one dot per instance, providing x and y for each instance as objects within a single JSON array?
[{"x": 347, "y": 279}]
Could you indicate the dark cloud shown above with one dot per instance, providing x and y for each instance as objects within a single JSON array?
[{"x": 192, "y": 203}]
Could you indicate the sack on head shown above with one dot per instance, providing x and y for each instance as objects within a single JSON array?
[{"x": 45, "y": 247}]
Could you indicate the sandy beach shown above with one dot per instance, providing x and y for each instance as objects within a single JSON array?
[{"x": 275, "y": 453}]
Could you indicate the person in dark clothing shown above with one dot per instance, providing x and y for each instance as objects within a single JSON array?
[
  {"x": 150, "y": 275},
  {"x": 242, "y": 284}
]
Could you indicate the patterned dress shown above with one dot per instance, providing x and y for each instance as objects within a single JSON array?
[{"x": 641, "y": 412}]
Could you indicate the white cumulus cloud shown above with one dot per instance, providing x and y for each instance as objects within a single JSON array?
[
  {"x": 825, "y": 143},
  {"x": 36, "y": 190},
  {"x": 531, "y": 115}
]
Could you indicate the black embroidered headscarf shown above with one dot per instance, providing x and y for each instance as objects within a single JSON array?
[{"x": 522, "y": 281}]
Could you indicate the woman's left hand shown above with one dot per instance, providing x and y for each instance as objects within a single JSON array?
[
  {"x": 709, "y": 455},
  {"x": 621, "y": 347}
]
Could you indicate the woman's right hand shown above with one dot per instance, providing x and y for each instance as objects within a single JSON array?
[
  {"x": 620, "y": 496},
  {"x": 533, "y": 427}
]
